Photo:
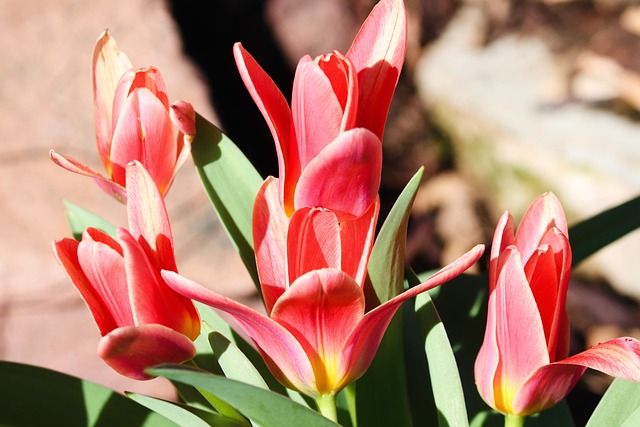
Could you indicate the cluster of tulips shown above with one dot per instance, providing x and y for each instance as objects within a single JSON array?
[{"x": 313, "y": 230}]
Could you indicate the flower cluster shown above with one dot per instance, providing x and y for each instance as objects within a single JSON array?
[{"x": 313, "y": 229}]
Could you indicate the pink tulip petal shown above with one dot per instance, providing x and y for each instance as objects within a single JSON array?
[
  {"x": 66, "y": 252},
  {"x": 378, "y": 54},
  {"x": 488, "y": 358},
  {"x": 320, "y": 309},
  {"x": 344, "y": 177},
  {"x": 103, "y": 265},
  {"x": 148, "y": 218},
  {"x": 344, "y": 82},
  {"x": 183, "y": 117},
  {"x": 144, "y": 132},
  {"x": 313, "y": 242},
  {"x": 504, "y": 236},
  {"x": 549, "y": 384},
  {"x": 357, "y": 238},
  {"x": 317, "y": 113},
  {"x": 108, "y": 64},
  {"x": 276, "y": 112},
  {"x": 544, "y": 213},
  {"x": 283, "y": 354},
  {"x": 519, "y": 330},
  {"x": 270, "y": 225},
  {"x": 547, "y": 272},
  {"x": 130, "y": 350},
  {"x": 363, "y": 342},
  {"x": 152, "y": 301},
  {"x": 113, "y": 189}
]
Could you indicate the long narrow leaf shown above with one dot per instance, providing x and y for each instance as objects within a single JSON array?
[
  {"x": 265, "y": 407},
  {"x": 593, "y": 234},
  {"x": 620, "y": 406},
  {"x": 388, "y": 405},
  {"x": 231, "y": 182},
  {"x": 183, "y": 415},
  {"x": 443, "y": 369},
  {"x": 32, "y": 396}
]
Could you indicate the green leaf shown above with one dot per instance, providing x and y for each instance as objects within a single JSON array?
[
  {"x": 443, "y": 369},
  {"x": 231, "y": 182},
  {"x": 234, "y": 363},
  {"x": 620, "y": 406},
  {"x": 80, "y": 219},
  {"x": 183, "y": 415},
  {"x": 388, "y": 405},
  {"x": 35, "y": 396},
  {"x": 265, "y": 407},
  {"x": 386, "y": 265},
  {"x": 593, "y": 234}
]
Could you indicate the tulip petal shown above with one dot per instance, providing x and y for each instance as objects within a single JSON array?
[
  {"x": 275, "y": 109},
  {"x": 130, "y": 350},
  {"x": 108, "y": 64},
  {"x": 504, "y": 236},
  {"x": 313, "y": 242},
  {"x": 103, "y": 264},
  {"x": 363, "y": 342},
  {"x": 547, "y": 272},
  {"x": 270, "y": 225},
  {"x": 283, "y": 354},
  {"x": 320, "y": 309},
  {"x": 344, "y": 177},
  {"x": 378, "y": 53},
  {"x": 316, "y": 111},
  {"x": 344, "y": 82},
  {"x": 518, "y": 328},
  {"x": 152, "y": 301},
  {"x": 356, "y": 238},
  {"x": 544, "y": 213},
  {"x": 548, "y": 385},
  {"x": 148, "y": 218},
  {"x": 144, "y": 132},
  {"x": 113, "y": 189},
  {"x": 66, "y": 252}
]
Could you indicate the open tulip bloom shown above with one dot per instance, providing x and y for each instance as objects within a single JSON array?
[
  {"x": 522, "y": 367},
  {"x": 142, "y": 321},
  {"x": 134, "y": 121}
]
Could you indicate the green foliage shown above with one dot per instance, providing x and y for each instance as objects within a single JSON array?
[
  {"x": 31, "y": 396},
  {"x": 265, "y": 407},
  {"x": 231, "y": 182},
  {"x": 80, "y": 219}
]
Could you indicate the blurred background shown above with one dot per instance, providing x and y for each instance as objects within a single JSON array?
[{"x": 500, "y": 100}]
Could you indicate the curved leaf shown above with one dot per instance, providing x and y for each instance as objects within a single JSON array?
[
  {"x": 265, "y": 407},
  {"x": 593, "y": 234},
  {"x": 183, "y": 415},
  {"x": 35, "y": 396},
  {"x": 620, "y": 406},
  {"x": 231, "y": 182}
]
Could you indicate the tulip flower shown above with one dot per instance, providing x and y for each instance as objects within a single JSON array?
[
  {"x": 522, "y": 367},
  {"x": 134, "y": 121},
  {"x": 317, "y": 336},
  {"x": 338, "y": 110},
  {"x": 142, "y": 321}
]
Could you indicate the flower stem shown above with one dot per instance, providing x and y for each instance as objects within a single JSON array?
[
  {"x": 511, "y": 420},
  {"x": 327, "y": 406}
]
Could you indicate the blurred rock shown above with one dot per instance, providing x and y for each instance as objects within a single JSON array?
[{"x": 490, "y": 100}]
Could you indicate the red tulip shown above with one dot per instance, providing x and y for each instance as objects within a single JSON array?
[
  {"x": 142, "y": 321},
  {"x": 330, "y": 137},
  {"x": 134, "y": 121},
  {"x": 318, "y": 336},
  {"x": 522, "y": 367}
]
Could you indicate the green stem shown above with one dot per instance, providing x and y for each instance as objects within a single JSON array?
[
  {"x": 327, "y": 406},
  {"x": 511, "y": 420},
  {"x": 350, "y": 394}
]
